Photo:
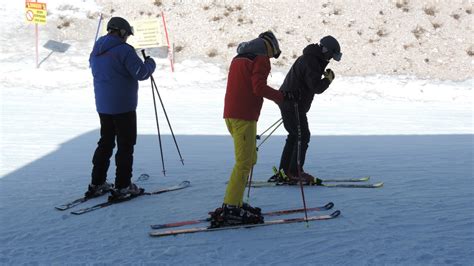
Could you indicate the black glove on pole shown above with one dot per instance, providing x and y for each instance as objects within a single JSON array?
[{"x": 156, "y": 118}]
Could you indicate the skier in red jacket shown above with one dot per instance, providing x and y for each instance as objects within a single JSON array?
[{"x": 246, "y": 88}]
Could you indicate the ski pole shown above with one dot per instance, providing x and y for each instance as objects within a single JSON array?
[
  {"x": 278, "y": 121},
  {"x": 298, "y": 161},
  {"x": 166, "y": 114},
  {"x": 157, "y": 123},
  {"x": 98, "y": 28},
  {"x": 167, "y": 119},
  {"x": 265, "y": 139},
  {"x": 249, "y": 180}
]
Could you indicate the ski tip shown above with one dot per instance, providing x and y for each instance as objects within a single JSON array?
[
  {"x": 329, "y": 206},
  {"x": 185, "y": 183},
  {"x": 60, "y": 208},
  {"x": 335, "y": 214},
  {"x": 380, "y": 184}
]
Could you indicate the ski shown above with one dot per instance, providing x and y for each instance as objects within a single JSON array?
[
  {"x": 276, "y": 184},
  {"x": 182, "y": 185},
  {"x": 272, "y": 222},
  {"x": 78, "y": 201},
  {"x": 360, "y": 179},
  {"x": 71, "y": 204},
  {"x": 326, "y": 207},
  {"x": 335, "y": 180}
]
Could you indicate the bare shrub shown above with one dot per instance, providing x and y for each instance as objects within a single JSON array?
[
  {"x": 470, "y": 51},
  {"x": 212, "y": 53},
  {"x": 403, "y": 5},
  {"x": 279, "y": 63},
  {"x": 430, "y": 11},
  {"x": 436, "y": 25},
  {"x": 418, "y": 32},
  {"x": 157, "y": 3},
  {"x": 231, "y": 44},
  {"x": 382, "y": 33},
  {"x": 66, "y": 23},
  {"x": 216, "y": 18},
  {"x": 456, "y": 16},
  {"x": 336, "y": 12},
  {"x": 178, "y": 48}
]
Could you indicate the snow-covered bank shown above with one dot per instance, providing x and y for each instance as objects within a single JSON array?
[{"x": 58, "y": 104}]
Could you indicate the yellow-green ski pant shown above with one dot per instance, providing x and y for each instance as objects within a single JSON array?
[{"x": 244, "y": 134}]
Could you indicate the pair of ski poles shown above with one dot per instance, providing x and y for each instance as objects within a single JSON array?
[
  {"x": 154, "y": 89},
  {"x": 275, "y": 126}
]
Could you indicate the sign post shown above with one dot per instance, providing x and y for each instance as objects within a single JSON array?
[{"x": 35, "y": 13}]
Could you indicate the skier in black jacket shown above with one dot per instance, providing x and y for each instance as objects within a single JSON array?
[{"x": 306, "y": 77}]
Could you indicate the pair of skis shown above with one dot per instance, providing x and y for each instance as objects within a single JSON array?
[
  {"x": 325, "y": 183},
  {"x": 171, "y": 232},
  {"x": 340, "y": 182},
  {"x": 81, "y": 200}
]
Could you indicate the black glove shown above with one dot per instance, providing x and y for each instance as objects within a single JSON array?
[
  {"x": 291, "y": 95},
  {"x": 149, "y": 60},
  {"x": 329, "y": 74}
]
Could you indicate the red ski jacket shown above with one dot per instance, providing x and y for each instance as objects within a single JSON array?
[{"x": 247, "y": 86}]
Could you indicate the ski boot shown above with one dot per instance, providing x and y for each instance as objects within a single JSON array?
[
  {"x": 98, "y": 190},
  {"x": 124, "y": 193}
]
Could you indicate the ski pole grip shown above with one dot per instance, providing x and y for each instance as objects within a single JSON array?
[{"x": 143, "y": 53}]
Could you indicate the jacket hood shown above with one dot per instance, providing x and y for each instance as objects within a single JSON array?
[
  {"x": 314, "y": 50},
  {"x": 106, "y": 43},
  {"x": 255, "y": 46}
]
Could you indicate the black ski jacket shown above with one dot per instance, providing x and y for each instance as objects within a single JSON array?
[{"x": 305, "y": 76}]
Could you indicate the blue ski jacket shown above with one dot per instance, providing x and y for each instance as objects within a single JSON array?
[{"x": 117, "y": 69}]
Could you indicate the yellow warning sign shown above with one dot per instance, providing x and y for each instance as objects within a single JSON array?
[
  {"x": 147, "y": 34},
  {"x": 35, "y": 12}
]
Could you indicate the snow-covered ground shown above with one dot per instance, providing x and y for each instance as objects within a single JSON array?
[{"x": 413, "y": 134}]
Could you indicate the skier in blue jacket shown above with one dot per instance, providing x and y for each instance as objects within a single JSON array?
[{"x": 116, "y": 69}]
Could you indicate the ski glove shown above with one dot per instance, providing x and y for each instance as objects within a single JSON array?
[
  {"x": 291, "y": 95},
  {"x": 329, "y": 74}
]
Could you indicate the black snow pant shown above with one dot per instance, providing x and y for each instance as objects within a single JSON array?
[
  {"x": 289, "y": 156},
  {"x": 122, "y": 127}
]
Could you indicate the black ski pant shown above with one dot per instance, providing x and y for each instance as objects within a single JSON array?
[
  {"x": 123, "y": 128},
  {"x": 289, "y": 156}
]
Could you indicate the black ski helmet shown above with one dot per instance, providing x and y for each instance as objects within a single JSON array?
[
  {"x": 121, "y": 25},
  {"x": 330, "y": 45},
  {"x": 270, "y": 37}
]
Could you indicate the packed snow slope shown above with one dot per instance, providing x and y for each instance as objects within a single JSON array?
[{"x": 422, "y": 216}]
